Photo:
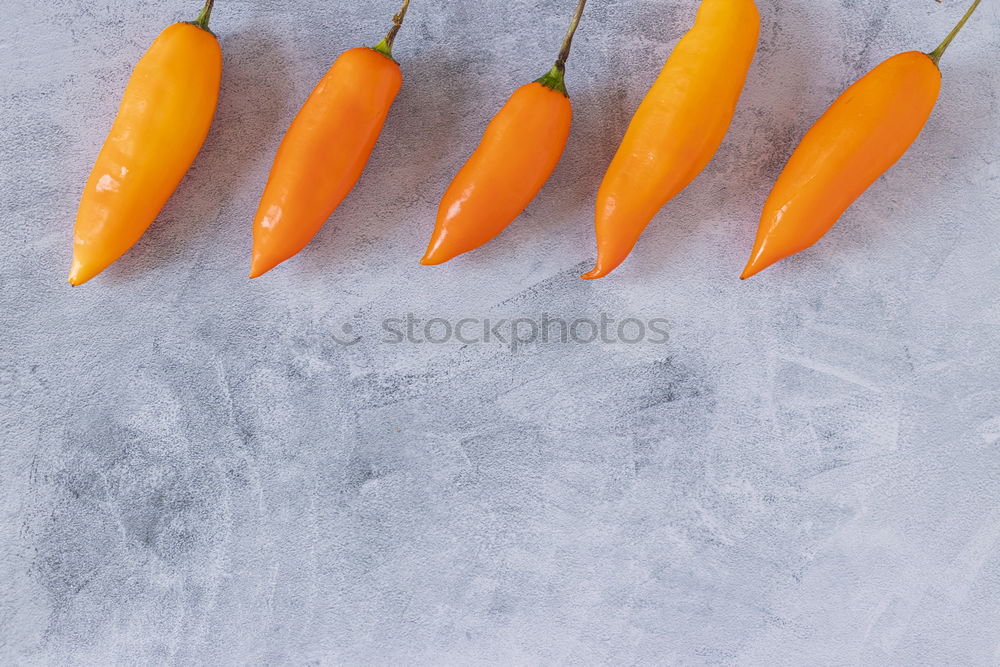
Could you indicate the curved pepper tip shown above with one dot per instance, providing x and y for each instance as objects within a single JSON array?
[
  {"x": 259, "y": 266},
  {"x": 599, "y": 271},
  {"x": 758, "y": 262},
  {"x": 431, "y": 260},
  {"x": 78, "y": 273},
  {"x": 438, "y": 252}
]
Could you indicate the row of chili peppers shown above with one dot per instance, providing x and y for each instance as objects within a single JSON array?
[{"x": 171, "y": 98}]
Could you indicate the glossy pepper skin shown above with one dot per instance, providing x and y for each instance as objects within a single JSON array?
[
  {"x": 163, "y": 120},
  {"x": 678, "y": 127},
  {"x": 323, "y": 154},
  {"x": 863, "y": 133},
  {"x": 325, "y": 150},
  {"x": 518, "y": 153}
]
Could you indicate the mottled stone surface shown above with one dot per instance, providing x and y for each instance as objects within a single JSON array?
[{"x": 193, "y": 470}]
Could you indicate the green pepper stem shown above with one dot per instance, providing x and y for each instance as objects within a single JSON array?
[
  {"x": 568, "y": 41},
  {"x": 385, "y": 46},
  {"x": 555, "y": 78},
  {"x": 936, "y": 54},
  {"x": 204, "y": 15}
]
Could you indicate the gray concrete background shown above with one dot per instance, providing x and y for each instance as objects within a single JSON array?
[{"x": 194, "y": 471}]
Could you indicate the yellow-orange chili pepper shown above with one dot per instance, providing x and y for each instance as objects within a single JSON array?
[
  {"x": 325, "y": 150},
  {"x": 164, "y": 117},
  {"x": 678, "y": 127},
  {"x": 518, "y": 153},
  {"x": 866, "y": 130}
]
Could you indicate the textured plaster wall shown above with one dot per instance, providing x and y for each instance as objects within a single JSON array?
[{"x": 194, "y": 471}]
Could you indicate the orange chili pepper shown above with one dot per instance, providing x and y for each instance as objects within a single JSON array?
[
  {"x": 866, "y": 130},
  {"x": 678, "y": 127},
  {"x": 162, "y": 122},
  {"x": 518, "y": 153},
  {"x": 325, "y": 150}
]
